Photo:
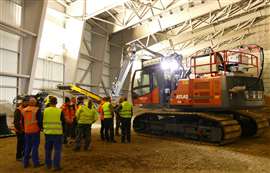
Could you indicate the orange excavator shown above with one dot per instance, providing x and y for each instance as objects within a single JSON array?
[{"x": 211, "y": 96}]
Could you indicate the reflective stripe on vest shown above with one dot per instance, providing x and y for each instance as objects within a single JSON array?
[
  {"x": 106, "y": 110},
  {"x": 52, "y": 123},
  {"x": 30, "y": 119},
  {"x": 125, "y": 112}
]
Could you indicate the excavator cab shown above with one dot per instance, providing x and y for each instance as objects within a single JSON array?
[
  {"x": 152, "y": 85},
  {"x": 145, "y": 88}
]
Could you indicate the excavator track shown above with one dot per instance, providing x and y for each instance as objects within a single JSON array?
[
  {"x": 201, "y": 126},
  {"x": 212, "y": 127},
  {"x": 253, "y": 123}
]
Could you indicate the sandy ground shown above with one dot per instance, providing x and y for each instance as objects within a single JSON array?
[{"x": 152, "y": 154}]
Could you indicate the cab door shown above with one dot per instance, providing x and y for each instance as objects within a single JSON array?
[{"x": 145, "y": 89}]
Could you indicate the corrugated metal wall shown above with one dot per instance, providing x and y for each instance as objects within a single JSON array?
[
  {"x": 84, "y": 62},
  {"x": 10, "y": 13},
  {"x": 50, "y": 66}
]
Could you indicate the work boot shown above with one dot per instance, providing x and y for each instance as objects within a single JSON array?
[
  {"x": 38, "y": 165},
  {"x": 19, "y": 159},
  {"x": 48, "y": 167},
  {"x": 57, "y": 169},
  {"x": 113, "y": 141}
]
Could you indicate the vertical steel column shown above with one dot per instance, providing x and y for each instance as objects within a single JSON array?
[{"x": 32, "y": 20}]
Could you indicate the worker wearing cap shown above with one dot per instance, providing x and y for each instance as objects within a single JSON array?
[
  {"x": 53, "y": 124},
  {"x": 126, "y": 112},
  {"x": 19, "y": 128},
  {"x": 101, "y": 116},
  {"x": 47, "y": 100},
  {"x": 32, "y": 121},
  {"x": 69, "y": 114},
  {"x": 108, "y": 120},
  {"x": 86, "y": 115}
]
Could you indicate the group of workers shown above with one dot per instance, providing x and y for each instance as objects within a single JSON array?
[{"x": 73, "y": 120}]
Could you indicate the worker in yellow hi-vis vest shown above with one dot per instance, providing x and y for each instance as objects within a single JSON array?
[
  {"x": 108, "y": 120},
  {"x": 86, "y": 115},
  {"x": 53, "y": 125},
  {"x": 126, "y": 112}
]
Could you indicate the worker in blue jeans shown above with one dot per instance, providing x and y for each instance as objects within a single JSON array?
[
  {"x": 32, "y": 124},
  {"x": 53, "y": 124}
]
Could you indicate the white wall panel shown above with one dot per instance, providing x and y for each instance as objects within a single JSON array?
[
  {"x": 106, "y": 81},
  {"x": 107, "y": 55},
  {"x": 8, "y": 61},
  {"x": 87, "y": 79},
  {"x": 83, "y": 49},
  {"x": 49, "y": 70},
  {"x": 10, "y": 12},
  {"x": 8, "y": 81},
  {"x": 106, "y": 70},
  {"x": 7, "y": 94},
  {"x": 43, "y": 84},
  {"x": 80, "y": 74},
  {"x": 53, "y": 36},
  {"x": 9, "y": 41},
  {"x": 87, "y": 36},
  {"x": 83, "y": 63}
]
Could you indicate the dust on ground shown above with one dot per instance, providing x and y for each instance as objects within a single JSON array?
[{"x": 152, "y": 154}]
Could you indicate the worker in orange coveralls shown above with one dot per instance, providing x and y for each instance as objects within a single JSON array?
[
  {"x": 101, "y": 115},
  {"x": 69, "y": 114}
]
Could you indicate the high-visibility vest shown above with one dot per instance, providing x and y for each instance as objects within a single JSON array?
[
  {"x": 20, "y": 108},
  {"x": 106, "y": 110},
  {"x": 86, "y": 115},
  {"x": 30, "y": 119},
  {"x": 126, "y": 111},
  {"x": 52, "y": 123},
  {"x": 69, "y": 112},
  {"x": 100, "y": 111}
]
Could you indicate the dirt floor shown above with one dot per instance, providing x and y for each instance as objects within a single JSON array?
[{"x": 152, "y": 154}]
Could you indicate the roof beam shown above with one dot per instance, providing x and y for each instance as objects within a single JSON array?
[
  {"x": 170, "y": 19},
  {"x": 224, "y": 40},
  {"x": 190, "y": 35}
]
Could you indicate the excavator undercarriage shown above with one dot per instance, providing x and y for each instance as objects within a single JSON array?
[{"x": 220, "y": 127}]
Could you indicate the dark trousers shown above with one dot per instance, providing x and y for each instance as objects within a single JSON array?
[
  {"x": 31, "y": 144},
  {"x": 20, "y": 144},
  {"x": 102, "y": 130},
  {"x": 117, "y": 125},
  {"x": 83, "y": 132},
  {"x": 125, "y": 129},
  {"x": 53, "y": 142},
  {"x": 69, "y": 132},
  {"x": 109, "y": 133}
]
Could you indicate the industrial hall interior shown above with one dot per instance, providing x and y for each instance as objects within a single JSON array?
[{"x": 135, "y": 86}]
